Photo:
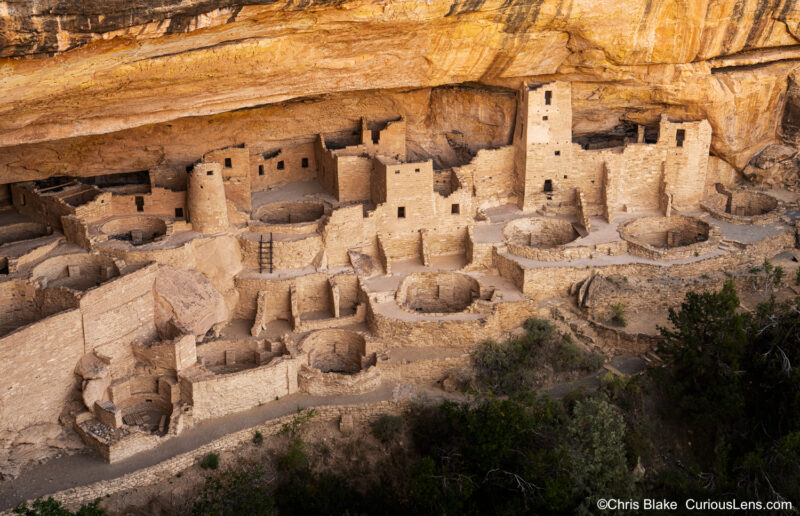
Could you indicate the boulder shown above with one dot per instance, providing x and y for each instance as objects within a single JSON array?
[
  {"x": 186, "y": 303},
  {"x": 95, "y": 390},
  {"x": 90, "y": 367},
  {"x": 771, "y": 155},
  {"x": 362, "y": 263}
]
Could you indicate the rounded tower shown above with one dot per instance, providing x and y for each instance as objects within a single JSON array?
[{"x": 208, "y": 209}]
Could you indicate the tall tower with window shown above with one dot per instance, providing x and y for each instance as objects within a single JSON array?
[{"x": 543, "y": 138}]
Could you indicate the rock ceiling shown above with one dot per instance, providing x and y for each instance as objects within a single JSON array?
[{"x": 73, "y": 71}]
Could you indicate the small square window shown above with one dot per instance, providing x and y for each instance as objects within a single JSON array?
[
  {"x": 210, "y": 173},
  {"x": 455, "y": 209},
  {"x": 261, "y": 170},
  {"x": 228, "y": 163},
  {"x": 416, "y": 170},
  {"x": 396, "y": 171},
  {"x": 558, "y": 153},
  {"x": 281, "y": 165},
  {"x": 189, "y": 168},
  {"x": 545, "y": 118},
  {"x": 178, "y": 213},
  {"x": 401, "y": 212},
  {"x": 304, "y": 163}
]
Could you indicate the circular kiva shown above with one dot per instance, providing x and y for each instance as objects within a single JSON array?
[
  {"x": 539, "y": 233},
  {"x": 75, "y": 271},
  {"x": 673, "y": 237},
  {"x": 290, "y": 212},
  {"x": 437, "y": 292},
  {"x": 335, "y": 351},
  {"x": 137, "y": 230}
]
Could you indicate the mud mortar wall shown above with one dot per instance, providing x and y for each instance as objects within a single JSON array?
[
  {"x": 225, "y": 394},
  {"x": 36, "y": 363},
  {"x": 451, "y": 333}
]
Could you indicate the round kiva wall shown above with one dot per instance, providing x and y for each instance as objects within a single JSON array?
[
  {"x": 335, "y": 363},
  {"x": 75, "y": 271},
  {"x": 290, "y": 212},
  {"x": 335, "y": 351},
  {"x": 750, "y": 204},
  {"x": 539, "y": 233},
  {"x": 136, "y": 230},
  {"x": 437, "y": 292},
  {"x": 669, "y": 237}
]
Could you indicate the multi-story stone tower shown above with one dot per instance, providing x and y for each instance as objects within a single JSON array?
[
  {"x": 543, "y": 138},
  {"x": 208, "y": 210}
]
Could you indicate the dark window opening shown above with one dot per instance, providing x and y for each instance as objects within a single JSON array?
[
  {"x": 210, "y": 173},
  {"x": 304, "y": 163},
  {"x": 281, "y": 165},
  {"x": 178, "y": 213},
  {"x": 545, "y": 118},
  {"x": 651, "y": 134},
  {"x": 261, "y": 170},
  {"x": 548, "y": 97},
  {"x": 401, "y": 212},
  {"x": 558, "y": 153},
  {"x": 396, "y": 171},
  {"x": 228, "y": 163},
  {"x": 139, "y": 200},
  {"x": 680, "y": 135},
  {"x": 565, "y": 176},
  {"x": 455, "y": 209},
  {"x": 189, "y": 169},
  {"x": 548, "y": 185},
  {"x": 416, "y": 170}
]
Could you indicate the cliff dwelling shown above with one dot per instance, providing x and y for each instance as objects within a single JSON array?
[{"x": 138, "y": 305}]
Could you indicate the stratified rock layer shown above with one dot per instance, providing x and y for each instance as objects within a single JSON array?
[{"x": 119, "y": 65}]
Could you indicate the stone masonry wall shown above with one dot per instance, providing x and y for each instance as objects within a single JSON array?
[{"x": 37, "y": 364}]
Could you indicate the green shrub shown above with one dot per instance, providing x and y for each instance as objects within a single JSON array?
[
  {"x": 210, "y": 461},
  {"x": 510, "y": 367},
  {"x": 296, "y": 458},
  {"x": 569, "y": 357},
  {"x": 52, "y": 507},
  {"x": 618, "y": 314},
  {"x": 237, "y": 492},
  {"x": 386, "y": 427},
  {"x": 258, "y": 438}
]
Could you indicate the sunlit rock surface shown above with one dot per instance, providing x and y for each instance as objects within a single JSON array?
[{"x": 72, "y": 70}]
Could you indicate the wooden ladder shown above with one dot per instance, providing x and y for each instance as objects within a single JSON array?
[{"x": 265, "y": 253}]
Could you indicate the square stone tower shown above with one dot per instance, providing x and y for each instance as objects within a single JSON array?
[{"x": 543, "y": 139}]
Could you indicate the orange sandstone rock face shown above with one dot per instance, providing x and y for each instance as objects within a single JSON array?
[{"x": 79, "y": 69}]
